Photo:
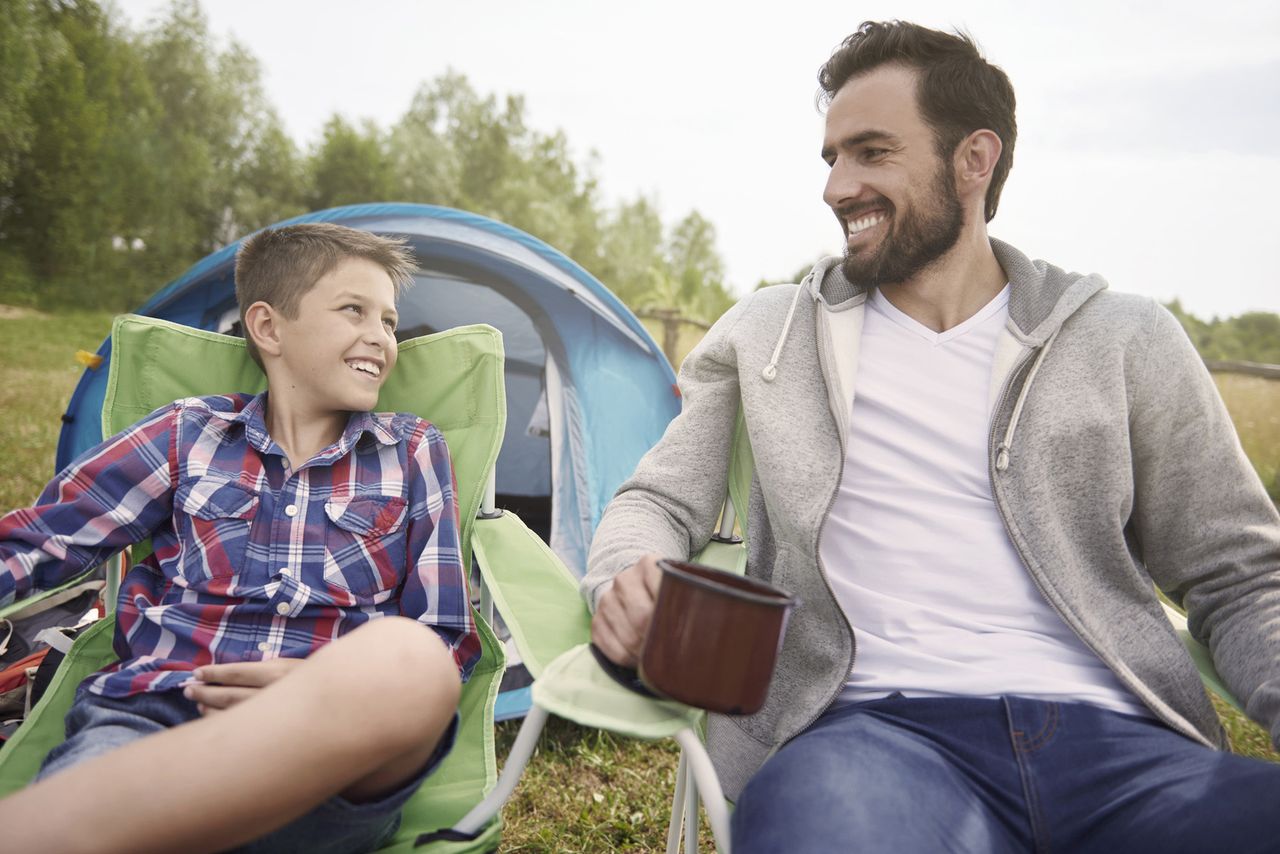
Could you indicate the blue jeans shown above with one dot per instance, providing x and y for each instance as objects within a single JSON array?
[
  {"x": 97, "y": 725},
  {"x": 1013, "y": 774}
]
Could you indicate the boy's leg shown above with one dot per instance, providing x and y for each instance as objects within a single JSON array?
[{"x": 359, "y": 717}]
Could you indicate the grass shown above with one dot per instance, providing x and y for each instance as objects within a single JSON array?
[
  {"x": 38, "y": 372},
  {"x": 1254, "y": 404},
  {"x": 584, "y": 791},
  {"x": 590, "y": 791}
]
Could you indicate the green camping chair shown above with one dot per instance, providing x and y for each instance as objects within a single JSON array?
[
  {"x": 455, "y": 379},
  {"x": 569, "y": 683}
]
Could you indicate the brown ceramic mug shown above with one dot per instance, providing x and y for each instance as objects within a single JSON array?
[{"x": 714, "y": 638}]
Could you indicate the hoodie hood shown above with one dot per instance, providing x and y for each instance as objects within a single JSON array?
[{"x": 1041, "y": 296}]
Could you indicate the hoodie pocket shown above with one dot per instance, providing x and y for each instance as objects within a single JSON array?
[
  {"x": 213, "y": 516},
  {"x": 364, "y": 561}
]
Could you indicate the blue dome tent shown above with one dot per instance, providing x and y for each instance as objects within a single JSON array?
[{"x": 588, "y": 390}]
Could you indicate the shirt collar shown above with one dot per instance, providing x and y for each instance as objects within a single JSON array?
[{"x": 383, "y": 428}]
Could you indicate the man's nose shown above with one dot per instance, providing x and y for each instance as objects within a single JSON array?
[{"x": 844, "y": 184}]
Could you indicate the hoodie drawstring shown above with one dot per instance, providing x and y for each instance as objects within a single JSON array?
[
  {"x": 770, "y": 371},
  {"x": 1003, "y": 449}
]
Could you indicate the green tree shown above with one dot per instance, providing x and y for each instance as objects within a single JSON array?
[
  {"x": 126, "y": 156},
  {"x": 50, "y": 218},
  {"x": 1253, "y": 336},
  {"x": 271, "y": 184},
  {"x": 350, "y": 165},
  {"x": 454, "y": 147},
  {"x": 1250, "y": 337},
  {"x": 698, "y": 269},
  {"x": 22, "y": 37},
  {"x": 633, "y": 263}
]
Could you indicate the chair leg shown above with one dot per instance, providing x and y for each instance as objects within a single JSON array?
[
  {"x": 517, "y": 759},
  {"x": 690, "y": 810},
  {"x": 708, "y": 785},
  {"x": 677, "y": 808}
]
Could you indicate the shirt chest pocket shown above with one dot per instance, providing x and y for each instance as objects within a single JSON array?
[
  {"x": 214, "y": 517},
  {"x": 364, "y": 560}
]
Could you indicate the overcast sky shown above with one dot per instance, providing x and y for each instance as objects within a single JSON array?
[{"x": 1149, "y": 133}]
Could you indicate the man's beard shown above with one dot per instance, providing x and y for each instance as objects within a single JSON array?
[{"x": 916, "y": 240}]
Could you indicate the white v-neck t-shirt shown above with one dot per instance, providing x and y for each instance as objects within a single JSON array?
[{"x": 915, "y": 548}]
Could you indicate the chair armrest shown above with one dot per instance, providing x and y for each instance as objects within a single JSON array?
[
  {"x": 574, "y": 687},
  {"x": 536, "y": 595},
  {"x": 1200, "y": 655}
]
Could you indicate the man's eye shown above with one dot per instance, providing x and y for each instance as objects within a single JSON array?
[{"x": 874, "y": 153}]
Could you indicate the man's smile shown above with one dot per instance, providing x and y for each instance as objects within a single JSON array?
[{"x": 866, "y": 221}]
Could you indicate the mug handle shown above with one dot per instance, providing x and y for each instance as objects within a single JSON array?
[{"x": 627, "y": 677}]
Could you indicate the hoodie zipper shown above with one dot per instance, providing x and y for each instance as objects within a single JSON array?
[
  {"x": 1140, "y": 690},
  {"x": 824, "y": 366}
]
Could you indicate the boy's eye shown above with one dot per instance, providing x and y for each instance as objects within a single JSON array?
[
  {"x": 353, "y": 307},
  {"x": 390, "y": 324}
]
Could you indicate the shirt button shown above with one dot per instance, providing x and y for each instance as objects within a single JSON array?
[
  {"x": 264, "y": 646},
  {"x": 282, "y": 608},
  {"x": 291, "y": 510},
  {"x": 286, "y": 571}
]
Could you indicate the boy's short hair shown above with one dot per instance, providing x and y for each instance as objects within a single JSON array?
[{"x": 279, "y": 265}]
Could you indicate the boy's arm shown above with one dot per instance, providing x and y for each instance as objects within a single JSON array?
[
  {"x": 435, "y": 590},
  {"x": 110, "y": 497}
]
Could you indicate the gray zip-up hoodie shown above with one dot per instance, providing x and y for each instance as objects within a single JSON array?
[{"x": 1113, "y": 464}]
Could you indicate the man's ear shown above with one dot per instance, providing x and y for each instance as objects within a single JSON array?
[
  {"x": 262, "y": 327},
  {"x": 976, "y": 159}
]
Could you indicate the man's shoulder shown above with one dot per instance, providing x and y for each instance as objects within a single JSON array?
[
  {"x": 1117, "y": 313},
  {"x": 761, "y": 311}
]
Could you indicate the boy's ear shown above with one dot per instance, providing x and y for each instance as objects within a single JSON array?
[{"x": 261, "y": 326}]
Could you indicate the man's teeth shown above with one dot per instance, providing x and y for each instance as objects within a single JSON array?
[
  {"x": 367, "y": 367},
  {"x": 863, "y": 223}
]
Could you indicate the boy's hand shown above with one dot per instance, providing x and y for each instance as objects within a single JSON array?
[
  {"x": 624, "y": 611},
  {"x": 221, "y": 686}
]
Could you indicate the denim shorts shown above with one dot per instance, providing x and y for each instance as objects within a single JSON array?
[{"x": 98, "y": 725}]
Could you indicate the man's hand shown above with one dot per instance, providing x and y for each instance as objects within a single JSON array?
[
  {"x": 624, "y": 611},
  {"x": 221, "y": 686}
]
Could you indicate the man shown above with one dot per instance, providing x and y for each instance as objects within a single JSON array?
[{"x": 973, "y": 470}]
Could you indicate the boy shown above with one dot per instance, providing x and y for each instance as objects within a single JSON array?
[{"x": 275, "y": 675}]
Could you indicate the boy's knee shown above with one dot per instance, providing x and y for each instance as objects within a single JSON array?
[{"x": 406, "y": 675}]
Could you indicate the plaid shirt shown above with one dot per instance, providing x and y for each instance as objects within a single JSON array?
[{"x": 252, "y": 560}]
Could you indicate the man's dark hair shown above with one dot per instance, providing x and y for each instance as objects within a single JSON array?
[
  {"x": 279, "y": 265},
  {"x": 958, "y": 92}
]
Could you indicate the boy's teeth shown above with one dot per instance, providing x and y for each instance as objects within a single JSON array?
[{"x": 367, "y": 367}]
